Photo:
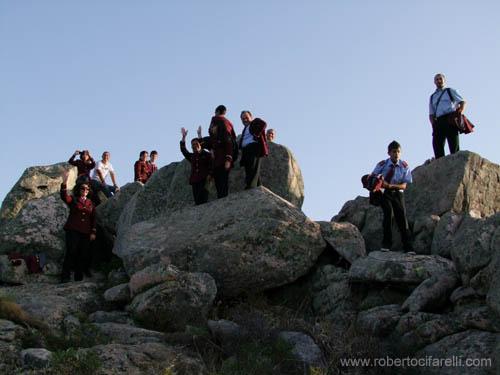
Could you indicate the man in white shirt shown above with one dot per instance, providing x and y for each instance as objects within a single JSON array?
[{"x": 99, "y": 173}]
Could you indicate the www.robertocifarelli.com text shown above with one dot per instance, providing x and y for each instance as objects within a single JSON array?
[{"x": 427, "y": 361}]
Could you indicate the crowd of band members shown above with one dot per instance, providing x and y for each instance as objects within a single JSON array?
[{"x": 213, "y": 157}]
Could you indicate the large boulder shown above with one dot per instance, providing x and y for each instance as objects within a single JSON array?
[
  {"x": 109, "y": 211},
  {"x": 472, "y": 346},
  {"x": 332, "y": 297},
  {"x": 472, "y": 247},
  {"x": 461, "y": 182},
  {"x": 344, "y": 238},
  {"x": 249, "y": 241},
  {"x": 37, "y": 228},
  {"x": 51, "y": 303},
  {"x": 176, "y": 303},
  {"x": 398, "y": 268},
  {"x": 446, "y": 188},
  {"x": 168, "y": 190},
  {"x": 35, "y": 182}
]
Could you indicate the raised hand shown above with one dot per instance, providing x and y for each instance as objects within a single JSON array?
[
  {"x": 184, "y": 133},
  {"x": 65, "y": 177},
  {"x": 199, "y": 131}
]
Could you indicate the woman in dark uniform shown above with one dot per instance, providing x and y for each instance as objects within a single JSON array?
[{"x": 80, "y": 230}]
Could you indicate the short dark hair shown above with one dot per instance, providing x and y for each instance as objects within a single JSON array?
[
  {"x": 220, "y": 110},
  {"x": 154, "y": 152},
  {"x": 143, "y": 153},
  {"x": 196, "y": 140},
  {"x": 245, "y": 111},
  {"x": 393, "y": 145}
]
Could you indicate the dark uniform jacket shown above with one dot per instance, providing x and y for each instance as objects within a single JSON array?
[
  {"x": 258, "y": 129},
  {"x": 220, "y": 140},
  {"x": 82, "y": 167},
  {"x": 201, "y": 164},
  {"x": 141, "y": 171},
  {"x": 81, "y": 215}
]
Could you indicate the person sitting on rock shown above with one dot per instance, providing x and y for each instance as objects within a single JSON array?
[
  {"x": 80, "y": 229},
  {"x": 201, "y": 166},
  {"x": 253, "y": 146},
  {"x": 141, "y": 168},
  {"x": 83, "y": 165},
  {"x": 396, "y": 174},
  {"x": 98, "y": 181},
  {"x": 153, "y": 156}
]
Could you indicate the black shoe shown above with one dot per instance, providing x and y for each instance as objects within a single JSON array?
[
  {"x": 65, "y": 279},
  {"x": 87, "y": 273},
  {"x": 78, "y": 276}
]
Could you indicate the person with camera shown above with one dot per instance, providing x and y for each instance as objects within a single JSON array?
[{"x": 83, "y": 165}]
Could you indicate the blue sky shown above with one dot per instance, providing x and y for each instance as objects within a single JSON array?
[{"x": 338, "y": 80}]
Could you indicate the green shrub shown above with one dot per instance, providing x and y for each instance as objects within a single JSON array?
[{"x": 74, "y": 362}]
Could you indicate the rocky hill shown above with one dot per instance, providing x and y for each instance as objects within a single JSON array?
[{"x": 248, "y": 284}]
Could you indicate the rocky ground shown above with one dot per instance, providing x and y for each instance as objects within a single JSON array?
[{"x": 249, "y": 285}]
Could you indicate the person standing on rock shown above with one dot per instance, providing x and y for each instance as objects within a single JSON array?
[
  {"x": 201, "y": 166},
  {"x": 83, "y": 165},
  {"x": 80, "y": 229},
  {"x": 98, "y": 181},
  {"x": 253, "y": 145},
  {"x": 141, "y": 168},
  {"x": 443, "y": 103},
  {"x": 222, "y": 142},
  {"x": 396, "y": 175}
]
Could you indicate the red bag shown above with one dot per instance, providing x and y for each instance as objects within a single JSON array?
[{"x": 461, "y": 122}]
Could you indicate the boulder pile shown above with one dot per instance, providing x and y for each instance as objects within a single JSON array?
[{"x": 250, "y": 274}]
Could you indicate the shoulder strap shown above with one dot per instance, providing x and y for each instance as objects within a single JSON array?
[
  {"x": 439, "y": 99},
  {"x": 448, "y": 90}
]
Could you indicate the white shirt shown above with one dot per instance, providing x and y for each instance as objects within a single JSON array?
[
  {"x": 247, "y": 137},
  {"x": 104, "y": 168}
]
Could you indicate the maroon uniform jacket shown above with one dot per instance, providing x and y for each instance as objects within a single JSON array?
[
  {"x": 152, "y": 168},
  {"x": 141, "y": 171},
  {"x": 258, "y": 129},
  {"x": 201, "y": 164},
  {"x": 81, "y": 215},
  {"x": 220, "y": 140},
  {"x": 83, "y": 168}
]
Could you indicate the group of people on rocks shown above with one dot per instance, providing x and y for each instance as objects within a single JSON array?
[
  {"x": 224, "y": 149},
  {"x": 212, "y": 157},
  {"x": 393, "y": 175}
]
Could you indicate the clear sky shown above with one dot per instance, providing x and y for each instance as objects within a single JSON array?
[{"x": 338, "y": 80}]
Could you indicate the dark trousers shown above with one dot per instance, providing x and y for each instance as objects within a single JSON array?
[
  {"x": 393, "y": 205},
  {"x": 98, "y": 186},
  {"x": 77, "y": 257},
  {"x": 200, "y": 192},
  {"x": 444, "y": 131},
  {"x": 221, "y": 179},
  {"x": 251, "y": 161}
]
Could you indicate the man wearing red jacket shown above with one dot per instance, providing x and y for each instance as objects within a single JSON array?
[
  {"x": 253, "y": 145},
  {"x": 221, "y": 141}
]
